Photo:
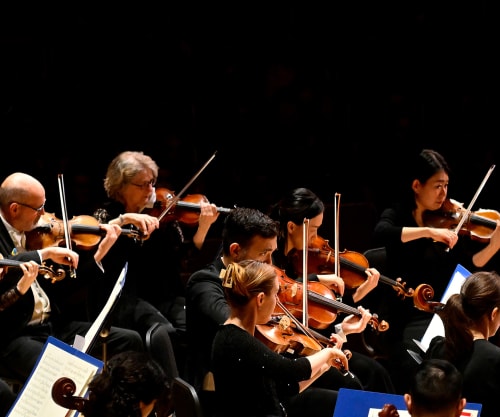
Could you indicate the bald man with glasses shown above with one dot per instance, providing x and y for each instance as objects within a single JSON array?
[{"x": 36, "y": 311}]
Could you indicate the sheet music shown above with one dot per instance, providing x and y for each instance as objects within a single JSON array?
[
  {"x": 56, "y": 360},
  {"x": 96, "y": 327},
  {"x": 436, "y": 327}
]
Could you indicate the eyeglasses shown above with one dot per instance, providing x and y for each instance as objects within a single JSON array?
[
  {"x": 144, "y": 185},
  {"x": 38, "y": 210}
]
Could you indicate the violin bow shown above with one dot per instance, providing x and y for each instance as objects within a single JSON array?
[
  {"x": 336, "y": 215},
  {"x": 176, "y": 197},
  {"x": 305, "y": 296},
  {"x": 310, "y": 333},
  {"x": 64, "y": 211},
  {"x": 469, "y": 208}
]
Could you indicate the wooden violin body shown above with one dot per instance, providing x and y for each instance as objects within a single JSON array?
[
  {"x": 278, "y": 335},
  {"x": 321, "y": 260},
  {"x": 479, "y": 225},
  {"x": 322, "y": 308},
  {"x": 84, "y": 232},
  {"x": 185, "y": 210}
]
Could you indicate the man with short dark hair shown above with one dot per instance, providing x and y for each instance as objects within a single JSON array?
[{"x": 435, "y": 390}]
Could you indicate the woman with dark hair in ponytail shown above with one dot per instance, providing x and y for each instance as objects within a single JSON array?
[
  {"x": 470, "y": 318},
  {"x": 420, "y": 251}
]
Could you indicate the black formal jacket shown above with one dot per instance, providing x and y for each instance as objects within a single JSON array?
[{"x": 14, "y": 318}]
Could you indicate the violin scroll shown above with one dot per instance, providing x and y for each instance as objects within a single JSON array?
[
  {"x": 422, "y": 299},
  {"x": 46, "y": 271},
  {"x": 389, "y": 410},
  {"x": 379, "y": 326},
  {"x": 63, "y": 394}
]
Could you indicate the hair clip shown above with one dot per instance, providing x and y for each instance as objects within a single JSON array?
[{"x": 227, "y": 276}]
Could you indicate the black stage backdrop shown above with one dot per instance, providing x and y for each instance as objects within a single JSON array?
[{"x": 334, "y": 96}]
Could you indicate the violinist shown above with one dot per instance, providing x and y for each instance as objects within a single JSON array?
[
  {"x": 245, "y": 369},
  {"x": 295, "y": 206},
  {"x": 420, "y": 253},
  {"x": 436, "y": 390},
  {"x": 247, "y": 234},
  {"x": 34, "y": 314},
  {"x": 154, "y": 290},
  {"x": 470, "y": 319}
]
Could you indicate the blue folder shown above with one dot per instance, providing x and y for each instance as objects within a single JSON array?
[{"x": 357, "y": 403}]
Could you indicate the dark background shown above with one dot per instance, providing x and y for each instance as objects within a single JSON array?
[{"x": 334, "y": 96}]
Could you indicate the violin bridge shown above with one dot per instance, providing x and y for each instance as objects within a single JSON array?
[{"x": 284, "y": 323}]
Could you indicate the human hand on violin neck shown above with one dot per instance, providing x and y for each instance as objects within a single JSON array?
[
  {"x": 372, "y": 279},
  {"x": 30, "y": 272},
  {"x": 354, "y": 324}
]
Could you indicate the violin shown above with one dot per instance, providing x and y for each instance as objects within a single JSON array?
[
  {"x": 281, "y": 338},
  {"x": 46, "y": 271},
  {"x": 84, "y": 232},
  {"x": 321, "y": 260},
  {"x": 279, "y": 335},
  {"x": 185, "y": 210},
  {"x": 479, "y": 225},
  {"x": 323, "y": 306}
]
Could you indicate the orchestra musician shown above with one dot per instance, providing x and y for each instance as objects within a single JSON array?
[
  {"x": 33, "y": 312},
  {"x": 436, "y": 390},
  {"x": 418, "y": 253},
  {"x": 7, "y": 298},
  {"x": 290, "y": 211},
  {"x": 247, "y": 234},
  {"x": 470, "y": 319},
  {"x": 133, "y": 385},
  {"x": 151, "y": 293},
  {"x": 249, "y": 375}
]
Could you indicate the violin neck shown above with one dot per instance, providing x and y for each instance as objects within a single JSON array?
[
  {"x": 361, "y": 270},
  {"x": 337, "y": 305},
  {"x": 10, "y": 262},
  {"x": 85, "y": 229},
  {"x": 483, "y": 221}
]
